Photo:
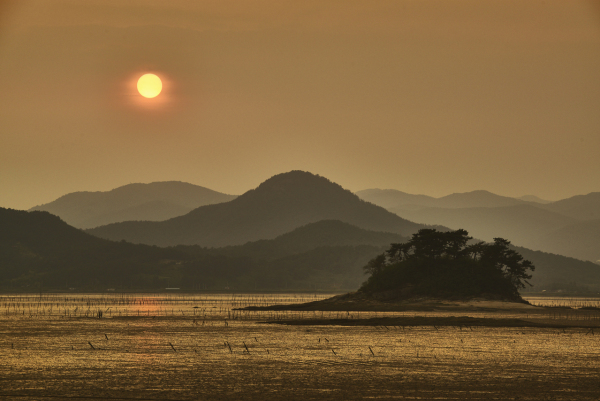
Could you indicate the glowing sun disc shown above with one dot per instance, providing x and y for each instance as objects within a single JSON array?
[{"x": 149, "y": 85}]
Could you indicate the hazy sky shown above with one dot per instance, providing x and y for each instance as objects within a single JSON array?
[{"x": 428, "y": 97}]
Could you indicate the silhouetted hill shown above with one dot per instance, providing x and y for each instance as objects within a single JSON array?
[
  {"x": 522, "y": 224},
  {"x": 39, "y": 250},
  {"x": 392, "y": 199},
  {"x": 311, "y": 236},
  {"x": 156, "y": 201},
  {"x": 582, "y": 207},
  {"x": 279, "y": 205}
]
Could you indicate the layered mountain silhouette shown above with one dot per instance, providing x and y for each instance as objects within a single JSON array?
[
  {"x": 38, "y": 250},
  {"x": 569, "y": 227},
  {"x": 533, "y": 198},
  {"x": 156, "y": 201},
  {"x": 311, "y": 236},
  {"x": 523, "y": 224},
  {"x": 278, "y": 205},
  {"x": 582, "y": 207},
  {"x": 394, "y": 199},
  {"x": 578, "y": 240}
]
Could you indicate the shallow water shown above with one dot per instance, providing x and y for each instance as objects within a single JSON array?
[{"x": 192, "y": 347}]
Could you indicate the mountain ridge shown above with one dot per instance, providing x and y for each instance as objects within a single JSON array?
[
  {"x": 568, "y": 226},
  {"x": 278, "y": 205},
  {"x": 154, "y": 201},
  {"x": 391, "y": 198}
]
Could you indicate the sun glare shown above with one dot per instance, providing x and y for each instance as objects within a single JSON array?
[{"x": 149, "y": 85}]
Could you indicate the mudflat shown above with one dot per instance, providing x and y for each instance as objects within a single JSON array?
[{"x": 187, "y": 348}]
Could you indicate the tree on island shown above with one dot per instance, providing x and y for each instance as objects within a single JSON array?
[{"x": 441, "y": 264}]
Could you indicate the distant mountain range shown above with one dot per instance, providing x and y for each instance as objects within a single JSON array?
[
  {"x": 533, "y": 198},
  {"x": 391, "y": 198},
  {"x": 174, "y": 213},
  {"x": 278, "y": 205},
  {"x": 582, "y": 207},
  {"x": 156, "y": 201},
  {"x": 39, "y": 251},
  {"x": 569, "y": 226},
  {"x": 578, "y": 240}
]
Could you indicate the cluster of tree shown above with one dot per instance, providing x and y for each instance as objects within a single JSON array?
[{"x": 443, "y": 264}]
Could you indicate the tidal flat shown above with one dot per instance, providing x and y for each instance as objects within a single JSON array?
[{"x": 190, "y": 347}]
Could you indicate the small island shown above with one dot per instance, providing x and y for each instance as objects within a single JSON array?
[
  {"x": 435, "y": 271},
  {"x": 434, "y": 267},
  {"x": 443, "y": 265}
]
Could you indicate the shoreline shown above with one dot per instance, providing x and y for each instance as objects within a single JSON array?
[
  {"x": 359, "y": 302},
  {"x": 443, "y": 321}
]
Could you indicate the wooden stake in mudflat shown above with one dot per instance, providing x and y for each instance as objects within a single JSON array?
[
  {"x": 172, "y": 347},
  {"x": 371, "y": 351},
  {"x": 91, "y": 345}
]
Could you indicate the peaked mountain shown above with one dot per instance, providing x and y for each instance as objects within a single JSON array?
[
  {"x": 278, "y": 205},
  {"x": 582, "y": 207},
  {"x": 390, "y": 198},
  {"x": 156, "y": 201}
]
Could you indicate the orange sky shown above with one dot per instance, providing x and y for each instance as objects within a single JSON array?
[{"x": 426, "y": 97}]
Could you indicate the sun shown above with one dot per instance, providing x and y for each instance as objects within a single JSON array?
[{"x": 149, "y": 85}]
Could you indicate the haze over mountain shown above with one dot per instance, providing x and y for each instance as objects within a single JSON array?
[
  {"x": 391, "y": 198},
  {"x": 533, "y": 198},
  {"x": 278, "y": 205},
  {"x": 568, "y": 227},
  {"x": 578, "y": 240},
  {"x": 522, "y": 224},
  {"x": 39, "y": 251},
  {"x": 582, "y": 207},
  {"x": 156, "y": 201}
]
